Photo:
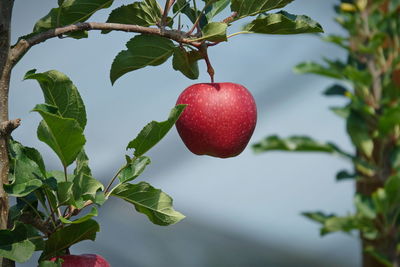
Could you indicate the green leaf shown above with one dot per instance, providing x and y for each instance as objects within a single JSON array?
[
  {"x": 359, "y": 133},
  {"x": 59, "y": 91},
  {"x": 246, "y": 8},
  {"x": 57, "y": 263},
  {"x": 183, "y": 6},
  {"x": 336, "y": 90},
  {"x": 14, "y": 244},
  {"x": 60, "y": 176},
  {"x": 392, "y": 189},
  {"x": 344, "y": 175},
  {"x": 315, "y": 68},
  {"x": 135, "y": 168},
  {"x": 186, "y": 62},
  {"x": 26, "y": 172},
  {"x": 364, "y": 207},
  {"x": 146, "y": 13},
  {"x": 85, "y": 188},
  {"x": 336, "y": 224},
  {"x": 297, "y": 144},
  {"x": 35, "y": 237},
  {"x": 214, "y": 32},
  {"x": 395, "y": 158},
  {"x": 343, "y": 112},
  {"x": 389, "y": 119},
  {"x": 82, "y": 219},
  {"x": 215, "y": 8},
  {"x": 338, "y": 40},
  {"x": 318, "y": 216},
  {"x": 154, "y": 203},
  {"x": 143, "y": 50},
  {"x": 63, "y": 135},
  {"x": 67, "y": 236},
  {"x": 70, "y": 12},
  {"x": 283, "y": 23},
  {"x": 82, "y": 164},
  {"x": 153, "y": 132},
  {"x": 65, "y": 194}
]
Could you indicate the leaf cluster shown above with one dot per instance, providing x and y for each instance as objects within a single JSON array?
[
  {"x": 49, "y": 202},
  {"x": 369, "y": 82}
]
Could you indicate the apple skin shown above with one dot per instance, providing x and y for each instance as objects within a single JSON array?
[
  {"x": 219, "y": 119},
  {"x": 84, "y": 260}
]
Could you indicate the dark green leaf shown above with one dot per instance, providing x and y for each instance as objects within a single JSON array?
[
  {"x": 63, "y": 135},
  {"x": 82, "y": 164},
  {"x": 246, "y": 8},
  {"x": 135, "y": 168},
  {"x": 215, "y": 8},
  {"x": 85, "y": 188},
  {"x": 318, "y": 216},
  {"x": 70, "y": 12},
  {"x": 65, "y": 194},
  {"x": 183, "y": 6},
  {"x": 395, "y": 158},
  {"x": 359, "y": 133},
  {"x": 60, "y": 176},
  {"x": 67, "y": 236},
  {"x": 59, "y": 91},
  {"x": 344, "y": 175},
  {"x": 336, "y": 90},
  {"x": 82, "y": 219},
  {"x": 154, "y": 203},
  {"x": 35, "y": 237},
  {"x": 15, "y": 245},
  {"x": 146, "y": 13},
  {"x": 186, "y": 62},
  {"x": 25, "y": 174},
  {"x": 143, "y": 50},
  {"x": 214, "y": 32},
  {"x": 153, "y": 132},
  {"x": 283, "y": 23}
]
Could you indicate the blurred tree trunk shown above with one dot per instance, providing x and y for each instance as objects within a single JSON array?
[{"x": 6, "y": 7}]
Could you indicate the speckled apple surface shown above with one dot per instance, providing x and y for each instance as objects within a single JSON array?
[
  {"x": 84, "y": 260},
  {"x": 219, "y": 119}
]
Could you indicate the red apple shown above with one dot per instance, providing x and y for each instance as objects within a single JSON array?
[
  {"x": 219, "y": 118},
  {"x": 84, "y": 260}
]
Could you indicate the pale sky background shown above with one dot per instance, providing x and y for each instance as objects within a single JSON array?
[{"x": 254, "y": 197}]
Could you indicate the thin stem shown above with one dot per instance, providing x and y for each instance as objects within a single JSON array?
[
  {"x": 168, "y": 5},
  {"x": 30, "y": 205},
  {"x": 195, "y": 24},
  {"x": 210, "y": 69},
  {"x": 113, "y": 179},
  {"x": 65, "y": 173},
  {"x": 237, "y": 33},
  {"x": 53, "y": 219}
]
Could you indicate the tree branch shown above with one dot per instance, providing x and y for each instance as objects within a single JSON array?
[
  {"x": 6, "y": 7},
  {"x": 23, "y": 45},
  {"x": 168, "y": 5},
  {"x": 6, "y": 127}
]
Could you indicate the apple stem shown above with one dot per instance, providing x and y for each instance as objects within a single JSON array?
[{"x": 210, "y": 69}]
